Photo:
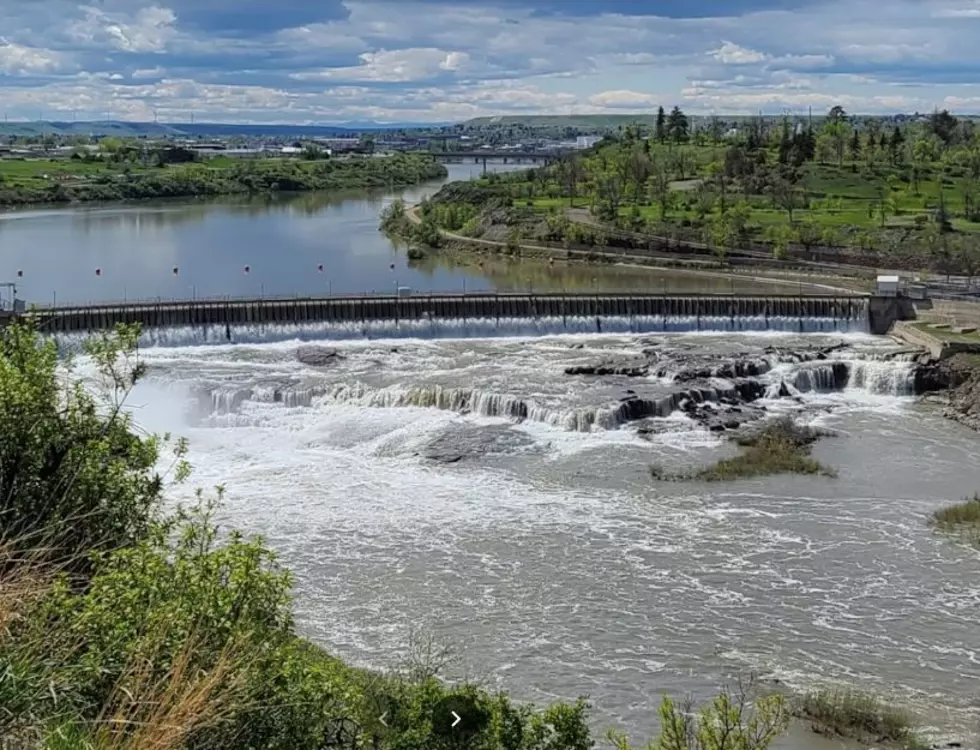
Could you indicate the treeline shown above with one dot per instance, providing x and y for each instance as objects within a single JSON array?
[
  {"x": 126, "y": 626},
  {"x": 245, "y": 177}
]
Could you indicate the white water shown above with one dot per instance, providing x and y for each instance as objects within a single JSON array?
[
  {"x": 477, "y": 328},
  {"x": 551, "y": 556}
]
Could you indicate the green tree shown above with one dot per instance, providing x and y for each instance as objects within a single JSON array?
[
  {"x": 855, "y": 149},
  {"x": 660, "y": 132},
  {"x": 74, "y": 476},
  {"x": 677, "y": 125}
]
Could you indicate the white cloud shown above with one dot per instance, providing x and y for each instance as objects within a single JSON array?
[
  {"x": 395, "y": 66},
  {"x": 17, "y": 59},
  {"x": 623, "y": 99},
  {"x": 423, "y": 60},
  {"x": 732, "y": 54},
  {"x": 149, "y": 30}
]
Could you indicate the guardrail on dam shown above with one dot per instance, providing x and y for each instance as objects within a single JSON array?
[{"x": 878, "y": 312}]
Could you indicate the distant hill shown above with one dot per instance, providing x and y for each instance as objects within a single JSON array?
[
  {"x": 195, "y": 130},
  {"x": 562, "y": 121}
]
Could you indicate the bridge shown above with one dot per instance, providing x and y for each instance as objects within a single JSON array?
[
  {"x": 508, "y": 157},
  {"x": 875, "y": 314}
]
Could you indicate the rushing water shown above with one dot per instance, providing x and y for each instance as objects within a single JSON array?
[
  {"x": 453, "y": 478},
  {"x": 470, "y": 487},
  {"x": 283, "y": 240}
]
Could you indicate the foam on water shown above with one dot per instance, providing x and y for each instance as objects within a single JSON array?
[
  {"x": 476, "y": 328},
  {"x": 567, "y": 564}
]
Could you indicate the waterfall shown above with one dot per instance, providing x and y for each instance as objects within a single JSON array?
[
  {"x": 882, "y": 377},
  {"x": 473, "y": 328},
  {"x": 879, "y": 376},
  {"x": 226, "y": 400}
]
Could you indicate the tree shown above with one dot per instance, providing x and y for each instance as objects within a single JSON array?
[
  {"x": 809, "y": 235},
  {"x": 639, "y": 168},
  {"x": 782, "y": 188},
  {"x": 785, "y": 142},
  {"x": 855, "y": 148},
  {"x": 922, "y": 154},
  {"x": 73, "y": 474},
  {"x": 943, "y": 125},
  {"x": 677, "y": 125},
  {"x": 659, "y": 183},
  {"x": 838, "y": 131},
  {"x": 895, "y": 144},
  {"x": 837, "y": 114},
  {"x": 779, "y": 236},
  {"x": 660, "y": 132}
]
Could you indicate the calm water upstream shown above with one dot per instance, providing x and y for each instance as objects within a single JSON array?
[
  {"x": 469, "y": 487},
  {"x": 282, "y": 239}
]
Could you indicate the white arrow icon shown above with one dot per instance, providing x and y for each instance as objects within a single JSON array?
[
  {"x": 382, "y": 718},
  {"x": 458, "y": 719}
]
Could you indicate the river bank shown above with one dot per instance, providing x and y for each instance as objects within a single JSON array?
[
  {"x": 201, "y": 179},
  {"x": 430, "y": 239}
]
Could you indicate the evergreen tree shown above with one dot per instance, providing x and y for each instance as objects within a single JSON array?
[
  {"x": 677, "y": 125},
  {"x": 855, "y": 147},
  {"x": 895, "y": 144},
  {"x": 661, "y": 128}
]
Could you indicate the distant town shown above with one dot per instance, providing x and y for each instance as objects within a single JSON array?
[{"x": 499, "y": 136}]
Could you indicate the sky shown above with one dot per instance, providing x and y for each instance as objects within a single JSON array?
[{"x": 328, "y": 61}]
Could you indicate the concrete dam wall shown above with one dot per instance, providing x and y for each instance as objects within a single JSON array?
[{"x": 487, "y": 307}]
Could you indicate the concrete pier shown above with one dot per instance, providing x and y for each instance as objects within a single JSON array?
[{"x": 301, "y": 310}]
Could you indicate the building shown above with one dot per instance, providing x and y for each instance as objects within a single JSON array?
[
  {"x": 888, "y": 286},
  {"x": 587, "y": 141}
]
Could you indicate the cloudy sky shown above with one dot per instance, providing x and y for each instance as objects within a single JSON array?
[{"x": 447, "y": 60}]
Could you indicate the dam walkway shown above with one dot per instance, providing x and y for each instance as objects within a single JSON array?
[{"x": 445, "y": 307}]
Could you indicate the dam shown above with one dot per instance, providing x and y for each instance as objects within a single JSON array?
[{"x": 574, "y": 312}]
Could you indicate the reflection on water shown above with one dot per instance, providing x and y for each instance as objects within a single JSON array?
[
  {"x": 512, "y": 275},
  {"x": 197, "y": 248}
]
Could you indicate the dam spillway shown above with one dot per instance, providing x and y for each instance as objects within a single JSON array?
[{"x": 398, "y": 310}]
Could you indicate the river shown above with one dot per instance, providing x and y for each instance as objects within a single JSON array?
[
  {"x": 470, "y": 488},
  {"x": 114, "y": 252}
]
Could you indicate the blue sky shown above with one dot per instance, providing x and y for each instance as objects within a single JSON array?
[{"x": 447, "y": 60}]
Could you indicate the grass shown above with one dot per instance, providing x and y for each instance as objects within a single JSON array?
[
  {"x": 962, "y": 519},
  {"x": 858, "y": 716},
  {"x": 947, "y": 334},
  {"x": 855, "y": 187},
  {"x": 779, "y": 447}
]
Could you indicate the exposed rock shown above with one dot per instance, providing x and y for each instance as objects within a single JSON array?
[
  {"x": 317, "y": 356},
  {"x": 630, "y": 369},
  {"x": 463, "y": 441}
]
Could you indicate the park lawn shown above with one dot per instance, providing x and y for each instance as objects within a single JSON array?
[{"x": 947, "y": 334}]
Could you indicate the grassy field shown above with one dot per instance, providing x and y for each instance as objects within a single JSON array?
[
  {"x": 904, "y": 199},
  {"x": 947, "y": 334},
  {"x": 836, "y": 196},
  {"x": 44, "y": 172}
]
